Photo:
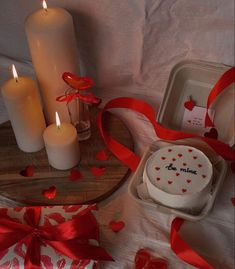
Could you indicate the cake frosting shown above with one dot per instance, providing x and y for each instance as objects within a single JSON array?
[{"x": 179, "y": 177}]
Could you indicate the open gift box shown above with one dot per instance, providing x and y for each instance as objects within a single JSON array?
[{"x": 191, "y": 80}]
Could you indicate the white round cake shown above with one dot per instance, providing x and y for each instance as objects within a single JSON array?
[{"x": 179, "y": 177}]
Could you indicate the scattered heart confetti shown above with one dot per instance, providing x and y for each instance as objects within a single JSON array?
[
  {"x": 189, "y": 105},
  {"x": 116, "y": 226},
  {"x": 28, "y": 171},
  {"x": 142, "y": 257},
  {"x": 212, "y": 133},
  {"x": 75, "y": 174},
  {"x": 184, "y": 190},
  {"x": 232, "y": 166},
  {"x": 98, "y": 171},
  {"x": 233, "y": 201},
  {"x": 49, "y": 193},
  {"x": 102, "y": 155}
]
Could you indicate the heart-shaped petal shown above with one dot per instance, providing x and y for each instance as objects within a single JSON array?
[
  {"x": 98, "y": 171},
  {"x": 75, "y": 174},
  {"x": 189, "y": 105},
  {"x": 212, "y": 133},
  {"x": 28, "y": 171},
  {"x": 142, "y": 257},
  {"x": 116, "y": 226},
  {"x": 102, "y": 155},
  {"x": 49, "y": 193}
]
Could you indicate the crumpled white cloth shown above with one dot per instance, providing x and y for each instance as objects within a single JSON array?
[{"x": 129, "y": 48}]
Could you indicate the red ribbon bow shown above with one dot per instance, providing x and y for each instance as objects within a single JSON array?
[
  {"x": 79, "y": 84},
  {"x": 63, "y": 237}
]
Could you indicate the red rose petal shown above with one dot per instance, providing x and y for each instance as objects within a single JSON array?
[
  {"x": 189, "y": 105},
  {"x": 142, "y": 257},
  {"x": 49, "y": 193},
  {"x": 102, "y": 155},
  {"x": 233, "y": 201},
  {"x": 116, "y": 226},
  {"x": 28, "y": 171},
  {"x": 75, "y": 174},
  {"x": 98, "y": 171}
]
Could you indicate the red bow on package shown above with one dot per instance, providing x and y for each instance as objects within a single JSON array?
[
  {"x": 63, "y": 237},
  {"x": 79, "y": 84}
]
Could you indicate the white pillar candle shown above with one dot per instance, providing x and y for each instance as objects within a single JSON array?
[
  {"x": 62, "y": 146},
  {"x": 52, "y": 43},
  {"x": 24, "y": 109}
]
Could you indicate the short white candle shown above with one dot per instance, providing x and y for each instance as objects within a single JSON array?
[
  {"x": 62, "y": 146},
  {"x": 24, "y": 109},
  {"x": 52, "y": 43}
]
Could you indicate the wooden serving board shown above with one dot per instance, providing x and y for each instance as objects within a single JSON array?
[{"x": 89, "y": 189}]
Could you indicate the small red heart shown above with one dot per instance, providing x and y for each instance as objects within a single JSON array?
[
  {"x": 184, "y": 190},
  {"x": 200, "y": 165},
  {"x": 156, "y": 263},
  {"x": 233, "y": 201},
  {"x": 157, "y": 168},
  {"x": 158, "y": 178},
  {"x": 28, "y": 171},
  {"x": 189, "y": 105},
  {"x": 194, "y": 157},
  {"x": 173, "y": 159},
  {"x": 49, "y": 193},
  {"x": 190, "y": 150},
  {"x": 163, "y": 158},
  {"x": 116, "y": 226},
  {"x": 189, "y": 121},
  {"x": 75, "y": 174},
  {"x": 142, "y": 257},
  {"x": 169, "y": 182},
  {"x": 177, "y": 174},
  {"x": 204, "y": 176},
  {"x": 184, "y": 164},
  {"x": 98, "y": 171},
  {"x": 212, "y": 133},
  {"x": 169, "y": 150},
  {"x": 188, "y": 180},
  {"x": 180, "y": 155},
  {"x": 232, "y": 166},
  {"x": 102, "y": 155}
]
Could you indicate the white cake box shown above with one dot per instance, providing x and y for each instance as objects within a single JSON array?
[{"x": 191, "y": 79}]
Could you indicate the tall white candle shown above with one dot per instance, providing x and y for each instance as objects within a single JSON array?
[
  {"x": 52, "y": 44},
  {"x": 62, "y": 146},
  {"x": 24, "y": 109}
]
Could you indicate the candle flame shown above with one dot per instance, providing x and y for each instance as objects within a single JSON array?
[
  {"x": 57, "y": 118},
  {"x": 44, "y": 4},
  {"x": 15, "y": 75}
]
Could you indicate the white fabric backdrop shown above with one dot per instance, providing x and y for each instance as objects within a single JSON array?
[{"x": 129, "y": 47}]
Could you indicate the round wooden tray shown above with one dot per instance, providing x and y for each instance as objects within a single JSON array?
[{"x": 89, "y": 189}]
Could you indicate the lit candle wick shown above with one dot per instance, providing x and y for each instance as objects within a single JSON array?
[
  {"x": 57, "y": 118},
  {"x": 15, "y": 75},
  {"x": 44, "y": 4}
]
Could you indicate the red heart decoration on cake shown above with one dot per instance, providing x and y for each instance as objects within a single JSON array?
[
  {"x": 102, "y": 155},
  {"x": 28, "y": 171},
  {"x": 75, "y": 175},
  {"x": 116, "y": 226},
  {"x": 142, "y": 257},
  {"x": 184, "y": 190},
  {"x": 232, "y": 166},
  {"x": 49, "y": 193},
  {"x": 180, "y": 155},
  {"x": 163, "y": 158},
  {"x": 194, "y": 157},
  {"x": 212, "y": 133},
  {"x": 184, "y": 164},
  {"x": 177, "y": 174},
  {"x": 169, "y": 182},
  {"x": 233, "y": 201},
  {"x": 204, "y": 176},
  {"x": 188, "y": 180},
  {"x": 169, "y": 150},
  {"x": 173, "y": 159},
  {"x": 98, "y": 171},
  {"x": 190, "y": 150},
  {"x": 157, "y": 168},
  {"x": 189, "y": 105},
  {"x": 158, "y": 178},
  {"x": 200, "y": 165}
]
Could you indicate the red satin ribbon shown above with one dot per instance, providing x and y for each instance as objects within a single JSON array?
[
  {"x": 63, "y": 237},
  {"x": 225, "y": 80},
  {"x": 130, "y": 159}
]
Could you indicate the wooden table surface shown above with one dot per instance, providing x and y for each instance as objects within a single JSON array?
[{"x": 89, "y": 189}]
